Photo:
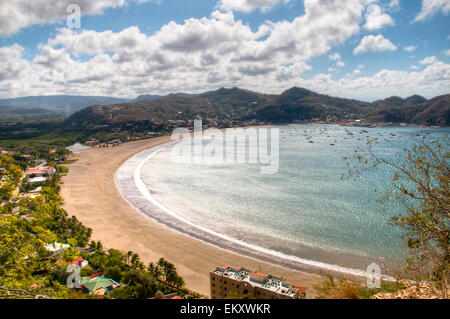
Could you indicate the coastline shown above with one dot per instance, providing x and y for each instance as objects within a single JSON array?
[{"x": 90, "y": 194}]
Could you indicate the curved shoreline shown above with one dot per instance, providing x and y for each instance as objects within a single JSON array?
[
  {"x": 90, "y": 194},
  {"x": 135, "y": 192}
]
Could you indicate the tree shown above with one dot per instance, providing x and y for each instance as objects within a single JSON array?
[
  {"x": 169, "y": 273},
  {"x": 140, "y": 284},
  {"x": 421, "y": 184},
  {"x": 10, "y": 176},
  {"x": 113, "y": 272}
]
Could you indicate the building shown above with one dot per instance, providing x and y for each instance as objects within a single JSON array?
[
  {"x": 37, "y": 180},
  {"x": 226, "y": 280},
  {"x": 41, "y": 171},
  {"x": 80, "y": 262},
  {"x": 98, "y": 286}
]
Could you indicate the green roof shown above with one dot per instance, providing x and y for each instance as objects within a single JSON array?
[
  {"x": 96, "y": 284},
  {"x": 84, "y": 280}
]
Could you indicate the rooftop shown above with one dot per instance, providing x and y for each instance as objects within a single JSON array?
[{"x": 265, "y": 281}]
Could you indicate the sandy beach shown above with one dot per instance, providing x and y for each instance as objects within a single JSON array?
[{"x": 90, "y": 194}]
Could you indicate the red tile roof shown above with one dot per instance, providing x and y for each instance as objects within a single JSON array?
[
  {"x": 259, "y": 274},
  {"x": 300, "y": 288}
]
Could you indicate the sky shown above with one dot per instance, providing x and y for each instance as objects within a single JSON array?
[{"x": 361, "y": 49}]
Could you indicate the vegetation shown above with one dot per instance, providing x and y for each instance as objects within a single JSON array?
[
  {"x": 25, "y": 129},
  {"x": 229, "y": 107},
  {"x": 29, "y": 270},
  {"x": 342, "y": 288},
  {"x": 420, "y": 183}
]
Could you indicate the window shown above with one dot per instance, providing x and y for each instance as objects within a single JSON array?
[
  {"x": 213, "y": 285},
  {"x": 225, "y": 282},
  {"x": 245, "y": 291},
  {"x": 225, "y": 289},
  {"x": 237, "y": 286}
]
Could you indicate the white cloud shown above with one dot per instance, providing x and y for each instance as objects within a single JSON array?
[
  {"x": 394, "y": 3},
  {"x": 203, "y": 54},
  {"x": 337, "y": 57},
  {"x": 414, "y": 67},
  {"x": 18, "y": 14},
  {"x": 429, "y": 60},
  {"x": 373, "y": 43},
  {"x": 447, "y": 52},
  {"x": 410, "y": 48},
  {"x": 13, "y": 64},
  {"x": 376, "y": 19},
  {"x": 249, "y": 5},
  {"x": 194, "y": 56},
  {"x": 431, "y": 8},
  {"x": 432, "y": 81}
]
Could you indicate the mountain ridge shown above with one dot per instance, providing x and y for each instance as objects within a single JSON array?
[{"x": 225, "y": 107}]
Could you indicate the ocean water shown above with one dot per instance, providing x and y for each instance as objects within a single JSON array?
[{"x": 306, "y": 209}]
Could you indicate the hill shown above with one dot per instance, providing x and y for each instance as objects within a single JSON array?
[
  {"x": 416, "y": 110},
  {"x": 57, "y": 103},
  {"x": 229, "y": 107},
  {"x": 301, "y": 104},
  {"x": 223, "y": 105}
]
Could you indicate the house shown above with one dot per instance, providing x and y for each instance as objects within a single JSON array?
[
  {"x": 2, "y": 172},
  {"x": 98, "y": 286},
  {"x": 56, "y": 248},
  {"x": 36, "y": 190},
  {"x": 33, "y": 194},
  {"x": 41, "y": 161},
  {"x": 92, "y": 142},
  {"x": 37, "y": 180},
  {"x": 40, "y": 171},
  {"x": 28, "y": 195},
  {"x": 39, "y": 174},
  {"x": 80, "y": 262}
]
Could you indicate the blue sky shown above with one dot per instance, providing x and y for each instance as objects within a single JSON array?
[{"x": 365, "y": 49}]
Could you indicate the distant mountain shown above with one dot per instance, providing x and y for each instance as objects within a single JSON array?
[
  {"x": 394, "y": 101},
  {"x": 226, "y": 107},
  {"x": 147, "y": 97},
  {"x": 223, "y": 104},
  {"x": 414, "y": 109},
  {"x": 433, "y": 112},
  {"x": 58, "y": 103},
  {"x": 301, "y": 104}
]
